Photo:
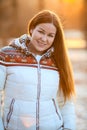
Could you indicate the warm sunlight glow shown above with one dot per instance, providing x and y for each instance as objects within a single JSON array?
[
  {"x": 69, "y": 1},
  {"x": 28, "y": 122},
  {"x": 76, "y": 43}
]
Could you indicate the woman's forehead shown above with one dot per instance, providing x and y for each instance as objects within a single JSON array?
[{"x": 46, "y": 27}]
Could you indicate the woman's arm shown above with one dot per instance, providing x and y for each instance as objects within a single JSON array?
[
  {"x": 68, "y": 113},
  {"x": 2, "y": 82}
]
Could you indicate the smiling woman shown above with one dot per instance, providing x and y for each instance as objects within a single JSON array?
[
  {"x": 37, "y": 78},
  {"x": 42, "y": 37}
]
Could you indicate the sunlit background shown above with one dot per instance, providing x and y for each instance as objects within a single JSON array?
[
  {"x": 14, "y": 18},
  {"x": 15, "y": 14}
]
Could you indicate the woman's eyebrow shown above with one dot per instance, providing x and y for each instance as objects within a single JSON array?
[
  {"x": 41, "y": 28},
  {"x": 44, "y": 31}
]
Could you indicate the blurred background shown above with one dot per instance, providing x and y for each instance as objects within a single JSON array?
[{"x": 14, "y": 18}]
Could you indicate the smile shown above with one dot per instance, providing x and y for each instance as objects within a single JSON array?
[{"x": 41, "y": 43}]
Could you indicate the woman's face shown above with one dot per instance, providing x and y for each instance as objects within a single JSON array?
[{"x": 42, "y": 37}]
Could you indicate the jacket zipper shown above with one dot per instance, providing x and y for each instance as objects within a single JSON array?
[
  {"x": 38, "y": 96},
  {"x": 56, "y": 108},
  {"x": 38, "y": 91},
  {"x": 10, "y": 112}
]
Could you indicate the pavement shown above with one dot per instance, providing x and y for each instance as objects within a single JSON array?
[{"x": 79, "y": 63}]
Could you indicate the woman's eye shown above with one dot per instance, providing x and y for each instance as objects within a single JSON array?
[
  {"x": 41, "y": 32},
  {"x": 51, "y": 36}
]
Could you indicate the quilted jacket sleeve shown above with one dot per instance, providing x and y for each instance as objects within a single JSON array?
[
  {"x": 2, "y": 82},
  {"x": 68, "y": 113}
]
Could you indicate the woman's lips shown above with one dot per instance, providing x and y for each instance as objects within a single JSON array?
[{"x": 41, "y": 43}]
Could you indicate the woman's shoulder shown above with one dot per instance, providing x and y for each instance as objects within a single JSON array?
[
  {"x": 6, "y": 51},
  {"x": 15, "y": 48}
]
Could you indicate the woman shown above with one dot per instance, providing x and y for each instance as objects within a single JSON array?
[{"x": 36, "y": 79}]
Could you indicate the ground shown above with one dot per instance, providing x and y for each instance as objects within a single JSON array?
[{"x": 79, "y": 63}]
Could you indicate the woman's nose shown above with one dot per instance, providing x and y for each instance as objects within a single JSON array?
[{"x": 44, "y": 38}]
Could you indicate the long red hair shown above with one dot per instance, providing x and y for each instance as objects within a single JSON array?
[{"x": 60, "y": 51}]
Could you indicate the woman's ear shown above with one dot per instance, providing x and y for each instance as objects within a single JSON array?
[{"x": 31, "y": 32}]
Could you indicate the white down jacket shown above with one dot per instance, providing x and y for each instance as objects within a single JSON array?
[{"x": 29, "y": 85}]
